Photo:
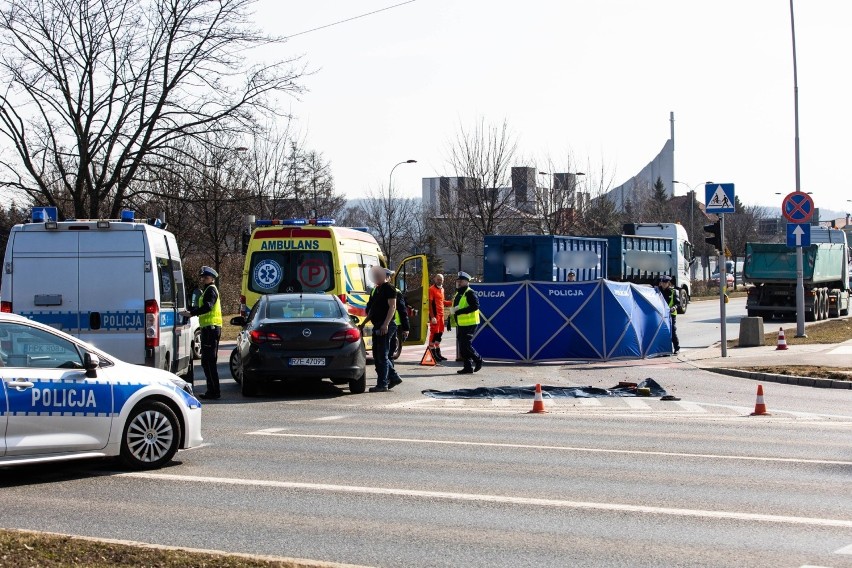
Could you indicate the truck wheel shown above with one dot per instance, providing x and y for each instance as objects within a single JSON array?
[
  {"x": 825, "y": 305},
  {"x": 684, "y": 301}
]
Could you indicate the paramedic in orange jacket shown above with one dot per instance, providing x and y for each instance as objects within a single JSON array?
[{"x": 436, "y": 316}]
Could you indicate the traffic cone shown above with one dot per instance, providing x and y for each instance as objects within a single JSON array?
[
  {"x": 782, "y": 341},
  {"x": 759, "y": 405},
  {"x": 538, "y": 402},
  {"x": 428, "y": 359}
]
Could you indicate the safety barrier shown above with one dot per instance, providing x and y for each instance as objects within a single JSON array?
[{"x": 555, "y": 321}]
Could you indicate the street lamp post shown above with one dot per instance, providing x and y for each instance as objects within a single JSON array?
[{"x": 390, "y": 177}]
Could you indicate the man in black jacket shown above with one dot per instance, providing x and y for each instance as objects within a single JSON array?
[
  {"x": 465, "y": 312},
  {"x": 382, "y": 311}
]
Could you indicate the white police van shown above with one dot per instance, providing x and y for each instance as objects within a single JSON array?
[
  {"x": 63, "y": 399},
  {"x": 117, "y": 284}
]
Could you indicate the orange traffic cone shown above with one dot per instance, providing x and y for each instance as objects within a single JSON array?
[
  {"x": 760, "y": 406},
  {"x": 428, "y": 359},
  {"x": 538, "y": 402},
  {"x": 782, "y": 341}
]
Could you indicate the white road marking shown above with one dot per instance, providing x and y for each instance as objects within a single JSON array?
[
  {"x": 271, "y": 430},
  {"x": 690, "y": 406},
  {"x": 556, "y": 448},
  {"x": 502, "y": 499},
  {"x": 588, "y": 402},
  {"x": 636, "y": 403},
  {"x": 749, "y": 409},
  {"x": 842, "y": 350},
  {"x": 328, "y": 418},
  {"x": 844, "y": 550}
]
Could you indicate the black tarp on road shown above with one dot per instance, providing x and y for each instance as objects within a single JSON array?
[{"x": 552, "y": 392}]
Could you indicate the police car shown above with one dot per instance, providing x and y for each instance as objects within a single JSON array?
[{"x": 63, "y": 399}]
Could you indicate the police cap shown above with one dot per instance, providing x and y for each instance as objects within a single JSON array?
[
  {"x": 463, "y": 276},
  {"x": 207, "y": 271},
  {"x": 665, "y": 278}
]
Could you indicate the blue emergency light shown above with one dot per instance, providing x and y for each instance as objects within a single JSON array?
[
  {"x": 362, "y": 229},
  {"x": 127, "y": 216},
  {"x": 324, "y": 222},
  {"x": 38, "y": 215}
]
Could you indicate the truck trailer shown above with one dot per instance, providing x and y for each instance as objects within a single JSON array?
[
  {"x": 543, "y": 258},
  {"x": 771, "y": 268},
  {"x": 647, "y": 251}
]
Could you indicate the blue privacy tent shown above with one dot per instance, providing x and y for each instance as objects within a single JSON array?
[{"x": 552, "y": 321}]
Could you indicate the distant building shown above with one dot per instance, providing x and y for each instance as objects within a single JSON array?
[{"x": 524, "y": 202}]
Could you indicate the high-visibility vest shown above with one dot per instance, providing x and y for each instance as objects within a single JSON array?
[
  {"x": 396, "y": 319},
  {"x": 214, "y": 316},
  {"x": 671, "y": 300},
  {"x": 465, "y": 319}
]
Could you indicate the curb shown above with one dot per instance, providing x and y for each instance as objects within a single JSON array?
[{"x": 784, "y": 379}]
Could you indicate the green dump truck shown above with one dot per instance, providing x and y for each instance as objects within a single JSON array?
[{"x": 771, "y": 268}]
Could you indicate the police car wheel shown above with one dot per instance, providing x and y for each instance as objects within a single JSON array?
[
  {"x": 151, "y": 436},
  {"x": 236, "y": 367},
  {"x": 359, "y": 385}
]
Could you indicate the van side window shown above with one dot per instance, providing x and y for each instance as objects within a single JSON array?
[
  {"x": 167, "y": 285},
  {"x": 180, "y": 287},
  {"x": 369, "y": 262}
]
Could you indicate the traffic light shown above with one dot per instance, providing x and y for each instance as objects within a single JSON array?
[{"x": 714, "y": 229}]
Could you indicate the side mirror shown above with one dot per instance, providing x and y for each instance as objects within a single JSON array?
[
  {"x": 91, "y": 362},
  {"x": 239, "y": 321}
]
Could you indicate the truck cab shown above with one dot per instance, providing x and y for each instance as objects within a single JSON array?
[{"x": 683, "y": 253}]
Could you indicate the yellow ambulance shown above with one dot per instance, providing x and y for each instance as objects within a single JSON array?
[{"x": 301, "y": 255}]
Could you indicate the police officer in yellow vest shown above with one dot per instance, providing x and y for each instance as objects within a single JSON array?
[
  {"x": 465, "y": 311},
  {"x": 672, "y": 298},
  {"x": 209, "y": 312}
]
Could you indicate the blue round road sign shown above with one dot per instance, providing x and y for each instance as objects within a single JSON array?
[{"x": 798, "y": 207}]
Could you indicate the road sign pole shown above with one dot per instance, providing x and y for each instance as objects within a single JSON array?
[
  {"x": 723, "y": 285},
  {"x": 800, "y": 293}
]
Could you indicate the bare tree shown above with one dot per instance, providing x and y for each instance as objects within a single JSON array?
[
  {"x": 557, "y": 203},
  {"x": 599, "y": 214},
  {"x": 742, "y": 227},
  {"x": 449, "y": 228},
  {"x": 97, "y": 90},
  {"x": 388, "y": 216},
  {"x": 485, "y": 153}
]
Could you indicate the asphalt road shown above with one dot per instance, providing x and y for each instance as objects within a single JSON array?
[
  {"x": 699, "y": 327},
  {"x": 399, "y": 479}
]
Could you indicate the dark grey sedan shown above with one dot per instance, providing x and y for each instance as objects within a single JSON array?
[{"x": 296, "y": 337}]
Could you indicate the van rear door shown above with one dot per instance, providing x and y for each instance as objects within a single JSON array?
[
  {"x": 112, "y": 274},
  {"x": 412, "y": 278},
  {"x": 44, "y": 284}
]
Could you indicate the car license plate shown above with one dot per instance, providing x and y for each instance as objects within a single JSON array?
[{"x": 307, "y": 361}]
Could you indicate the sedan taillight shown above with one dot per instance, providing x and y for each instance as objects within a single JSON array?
[
  {"x": 258, "y": 336},
  {"x": 350, "y": 335}
]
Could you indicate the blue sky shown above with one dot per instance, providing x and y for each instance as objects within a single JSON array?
[{"x": 596, "y": 79}]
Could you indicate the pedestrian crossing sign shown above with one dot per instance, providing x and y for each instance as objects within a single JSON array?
[{"x": 719, "y": 198}]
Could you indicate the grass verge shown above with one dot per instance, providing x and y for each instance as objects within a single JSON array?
[
  {"x": 815, "y": 372},
  {"x": 828, "y": 331},
  {"x": 24, "y": 548}
]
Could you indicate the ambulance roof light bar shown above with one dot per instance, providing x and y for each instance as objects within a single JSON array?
[{"x": 127, "y": 216}]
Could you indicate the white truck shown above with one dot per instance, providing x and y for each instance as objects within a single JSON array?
[
  {"x": 678, "y": 261},
  {"x": 117, "y": 284}
]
